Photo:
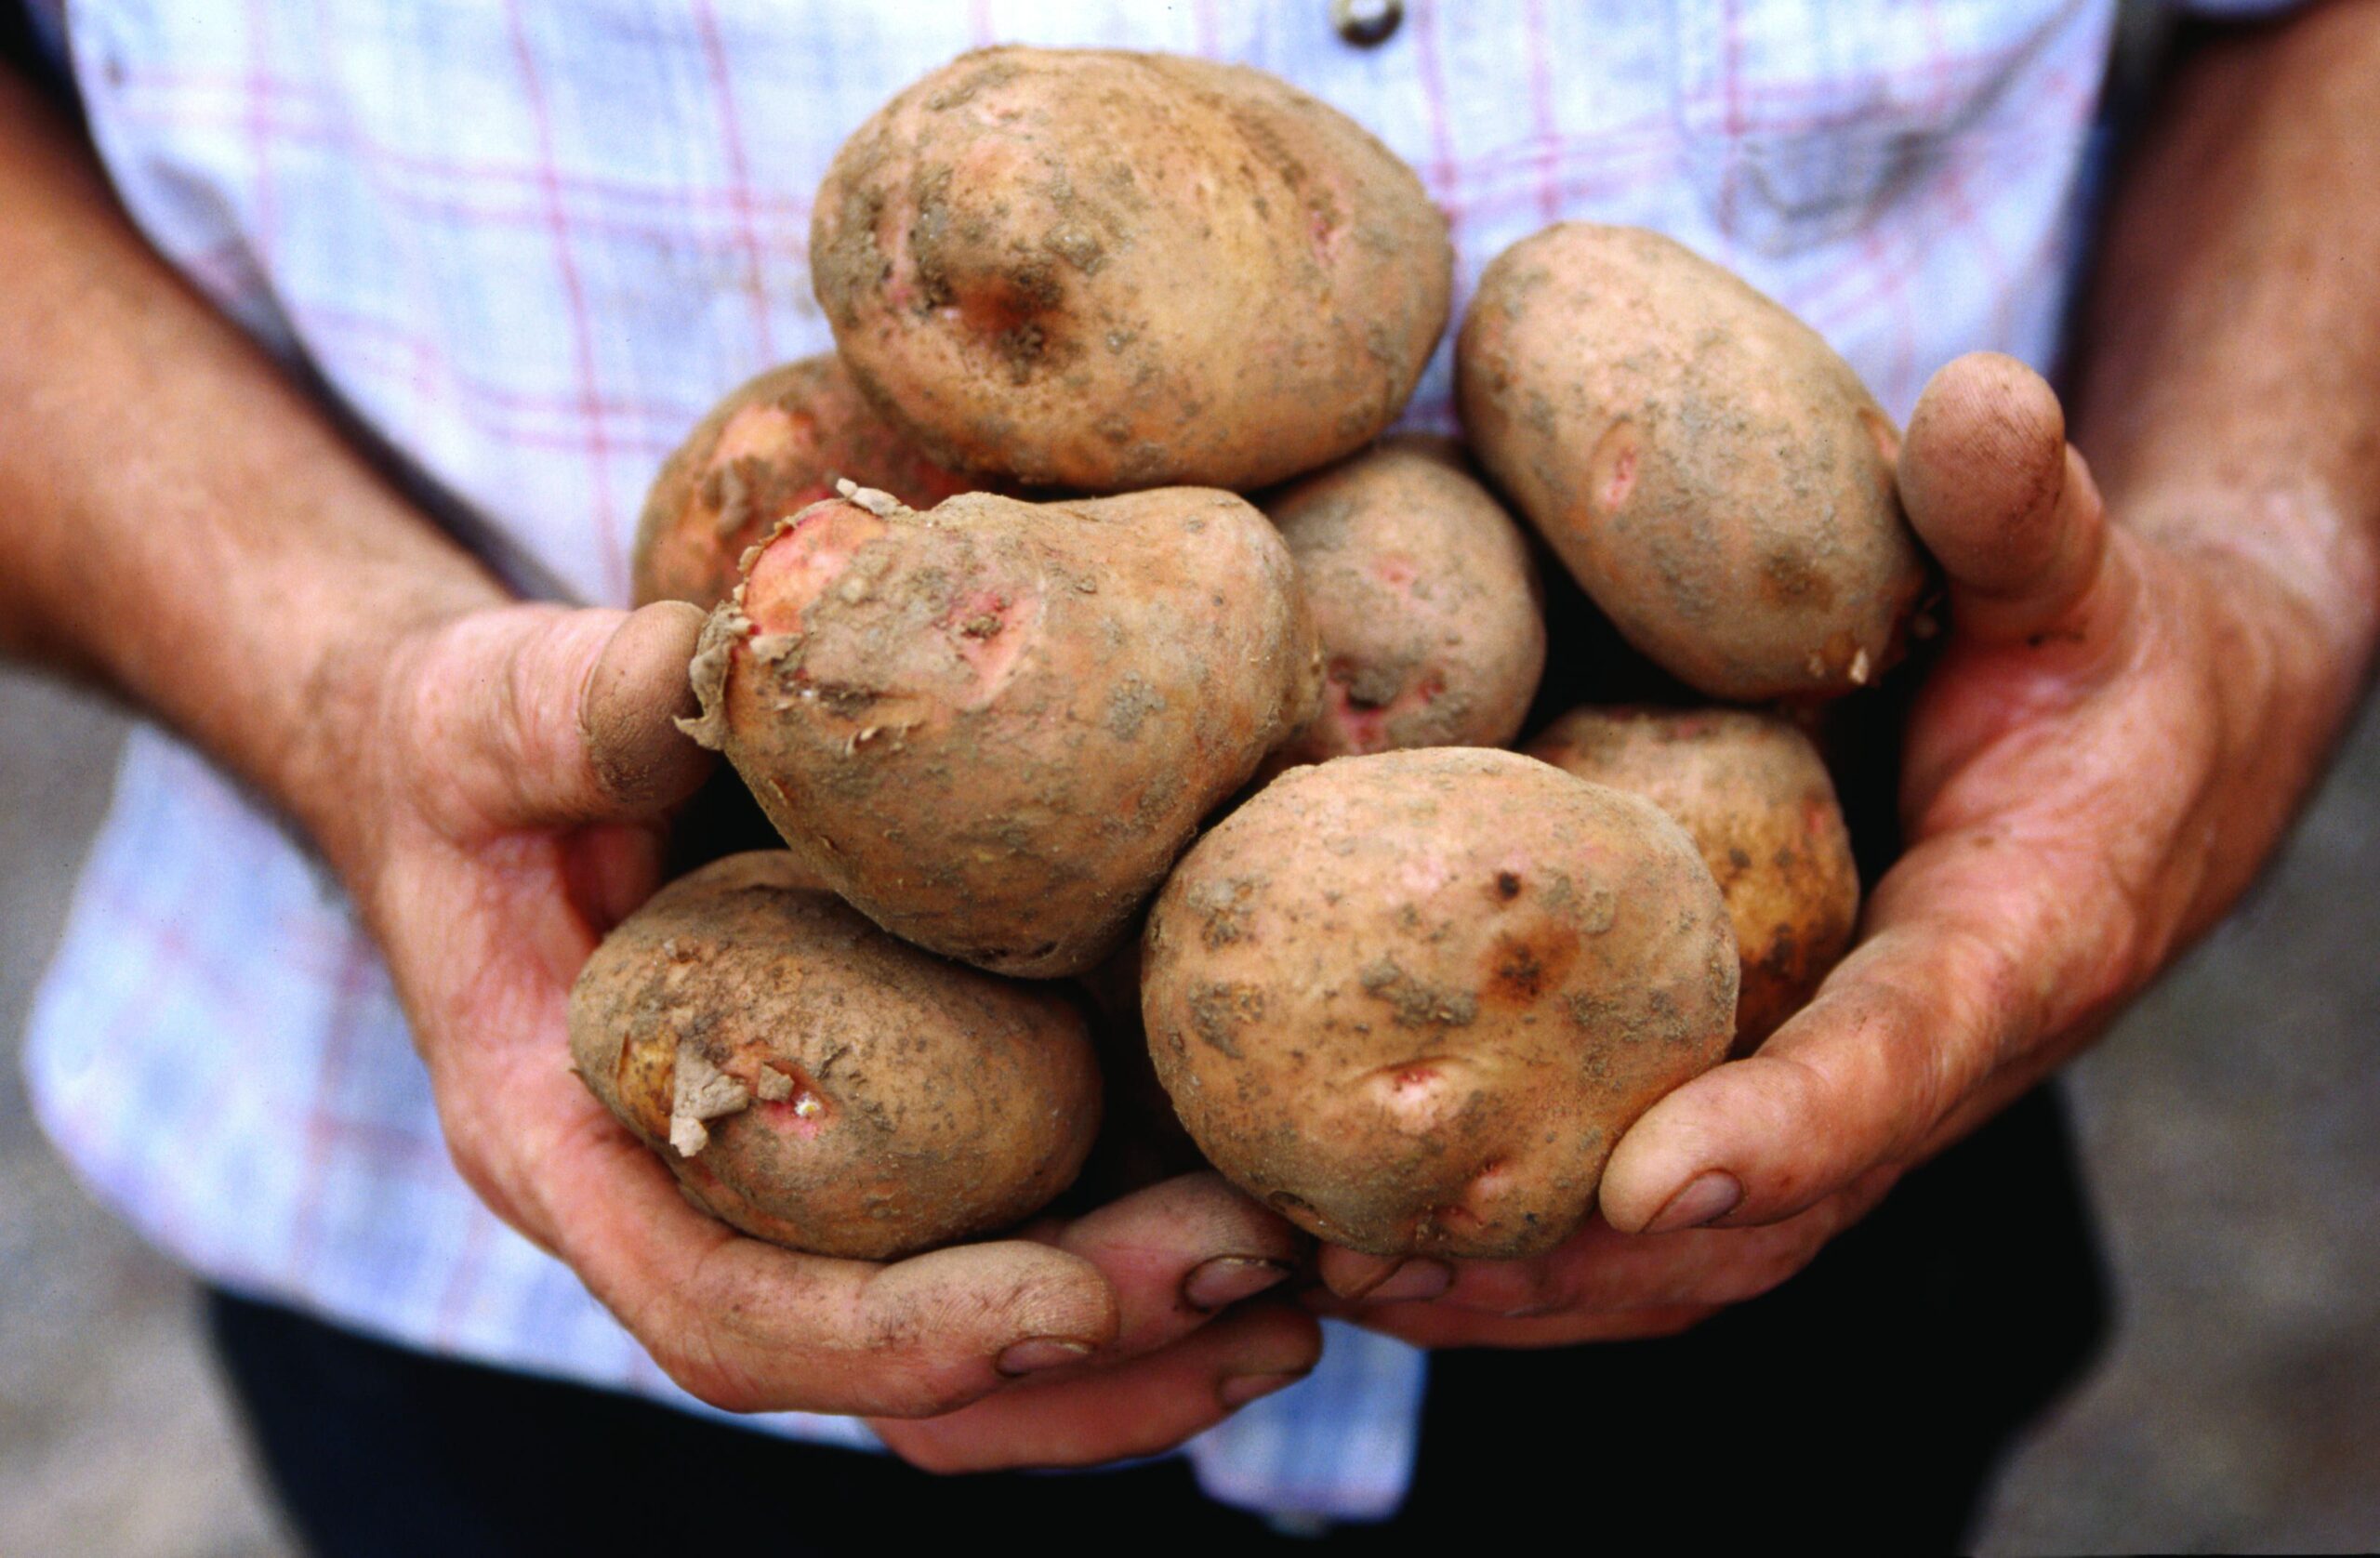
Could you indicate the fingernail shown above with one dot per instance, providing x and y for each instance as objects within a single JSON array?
[
  {"x": 1226, "y": 1279},
  {"x": 1039, "y": 1353},
  {"x": 1417, "y": 1281},
  {"x": 1241, "y": 1389},
  {"x": 1713, "y": 1193}
]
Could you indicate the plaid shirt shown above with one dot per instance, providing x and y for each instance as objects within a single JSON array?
[{"x": 526, "y": 245}]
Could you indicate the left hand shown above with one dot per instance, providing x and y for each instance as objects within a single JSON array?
[{"x": 2113, "y": 740}]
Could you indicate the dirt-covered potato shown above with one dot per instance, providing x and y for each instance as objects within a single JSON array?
[
  {"x": 816, "y": 1083},
  {"x": 1751, "y": 791},
  {"x": 1412, "y": 999},
  {"x": 992, "y": 727},
  {"x": 1109, "y": 271},
  {"x": 770, "y": 450},
  {"x": 1715, "y": 476},
  {"x": 1424, "y": 596}
]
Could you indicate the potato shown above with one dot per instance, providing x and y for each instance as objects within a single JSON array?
[
  {"x": 1752, "y": 793},
  {"x": 816, "y": 1083},
  {"x": 1424, "y": 596},
  {"x": 770, "y": 450},
  {"x": 1110, "y": 270},
  {"x": 992, "y": 727},
  {"x": 1713, "y": 474},
  {"x": 1412, "y": 1000}
]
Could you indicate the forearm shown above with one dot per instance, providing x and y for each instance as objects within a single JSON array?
[
  {"x": 2229, "y": 393},
  {"x": 181, "y": 524}
]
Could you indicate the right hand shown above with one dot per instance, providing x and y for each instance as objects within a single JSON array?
[{"x": 510, "y": 771}]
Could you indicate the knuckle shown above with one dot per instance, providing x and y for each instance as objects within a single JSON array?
[
  {"x": 924, "y": 1396},
  {"x": 692, "y": 1362}
]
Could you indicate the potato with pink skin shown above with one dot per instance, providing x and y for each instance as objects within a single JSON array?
[
  {"x": 1411, "y": 1001},
  {"x": 1111, "y": 270},
  {"x": 992, "y": 727},
  {"x": 772, "y": 448},
  {"x": 816, "y": 1083},
  {"x": 1751, "y": 791},
  {"x": 1706, "y": 466},
  {"x": 1424, "y": 596}
]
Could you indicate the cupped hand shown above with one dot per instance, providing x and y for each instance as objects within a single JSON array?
[
  {"x": 515, "y": 768},
  {"x": 2115, "y": 734}
]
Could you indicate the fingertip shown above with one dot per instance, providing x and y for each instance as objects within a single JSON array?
[
  {"x": 1139, "y": 1407},
  {"x": 634, "y": 695},
  {"x": 1982, "y": 467},
  {"x": 1678, "y": 1165},
  {"x": 1351, "y": 1275},
  {"x": 1259, "y": 1349}
]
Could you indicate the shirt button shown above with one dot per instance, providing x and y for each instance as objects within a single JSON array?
[{"x": 1365, "y": 22}]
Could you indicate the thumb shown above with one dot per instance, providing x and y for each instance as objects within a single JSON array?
[
  {"x": 537, "y": 717},
  {"x": 2000, "y": 497}
]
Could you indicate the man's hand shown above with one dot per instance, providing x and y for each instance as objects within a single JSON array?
[
  {"x": 2122, "y": 721},
  {"x": 516, "y": 765},
  {"x": 2109, "y": 745}
]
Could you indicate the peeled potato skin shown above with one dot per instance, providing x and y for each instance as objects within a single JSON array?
[
  {"x": 1705, "y": 465},
  {"x": 942, "y": 1101},
  {"x": 1751, "y": 791},
  {"x": 772, "y": 448},
  {"x": 1411, "y": 1001},
  {"x": 1425, "y": 598},
  {"x": 1111, "y": 270},
  {"x": 991, "y": 728}
]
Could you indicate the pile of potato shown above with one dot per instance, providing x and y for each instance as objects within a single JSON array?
[{"x": 1086, "y": 539}]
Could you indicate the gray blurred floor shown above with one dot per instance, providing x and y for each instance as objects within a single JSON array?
[
  {"x": 114, "y": 1438},
  {"x": 2232, "y": 1127}
]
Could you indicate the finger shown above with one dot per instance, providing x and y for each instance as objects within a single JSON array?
[
  {"x": 629, "y": 706},
  {"x": 749, "y": 1326},
  {"x": 1352, "y": 1275},
  {"x": 1179, "y": 1252},
  {"x": 1427, "y": 1324},
  {"x": 1979, "y": 945},
  {"x": 1140, "y": 1408},
  {"x": 538, "y": 717},
  {"x": 2004, "y": 504},
  {"x": 1600, "y": 1269},
  {"x": 609, "y": 870}
]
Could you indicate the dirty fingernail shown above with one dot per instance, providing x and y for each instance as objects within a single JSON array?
[
  {"x": 1710, "y": 1195},
  {"x": 1226, "y": 1279},
  {"x": 1039, "y": 1353},
  {"x": 1241, "y": 1389},
  {"x": 1416, "y": 1281}
]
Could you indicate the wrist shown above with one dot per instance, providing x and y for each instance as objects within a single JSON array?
[{"x": 2291, "y": 560}]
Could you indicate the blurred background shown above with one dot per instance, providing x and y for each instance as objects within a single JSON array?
[{"x": 2230, "y": 1127}]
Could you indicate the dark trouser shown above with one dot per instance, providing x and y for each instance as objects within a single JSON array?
[{"x": 1864, "y": 1403}]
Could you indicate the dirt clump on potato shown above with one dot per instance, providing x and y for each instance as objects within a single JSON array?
[
  {"x": 1411, "y": 1001},
  {"x": 1424, "y": 596},
  {"x": 774, "y": 447},
  {"x": 816, "y": 1083},
  {"x": 1709, "y": 468},
  {"x": 1110, "y": 270},
  {"x": 992, "y": 727},
  {"x": 1754, "y": 794}
]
